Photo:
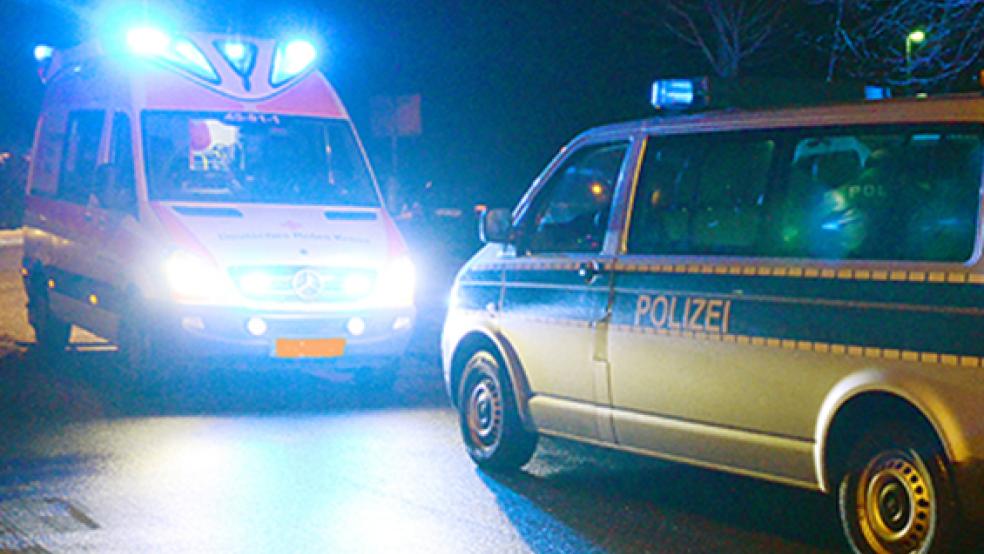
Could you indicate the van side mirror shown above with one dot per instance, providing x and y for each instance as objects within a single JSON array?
[{"x": 496, "y": 226}]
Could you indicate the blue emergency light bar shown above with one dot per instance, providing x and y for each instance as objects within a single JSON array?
[
  {"x": 678, "y": 94},
  {"x": 696, "y": 93},
  {"x": 291, "y": 59}
]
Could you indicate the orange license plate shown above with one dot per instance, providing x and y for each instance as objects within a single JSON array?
[{"x": 309, "y": 348}]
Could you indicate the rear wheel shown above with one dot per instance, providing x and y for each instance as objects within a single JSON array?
[
  {"x": 51, "y": 334},
  {"x": 898, "y": 495},
  {"x": 488, "y": 416}
]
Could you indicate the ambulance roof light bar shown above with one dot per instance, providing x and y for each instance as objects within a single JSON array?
[
  {"x": 292, "y": 58},
  {"x": 151, "y": 42}
]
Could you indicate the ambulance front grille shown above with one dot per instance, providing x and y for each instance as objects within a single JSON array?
[{"x": 303, "y": 283}]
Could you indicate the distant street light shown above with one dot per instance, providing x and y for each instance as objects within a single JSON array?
[{"x": 915, "y": 37}]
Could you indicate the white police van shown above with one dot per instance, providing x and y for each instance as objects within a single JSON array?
[
  {"x": 196, "y": 194},
  {"x": 790, "y": 294}
]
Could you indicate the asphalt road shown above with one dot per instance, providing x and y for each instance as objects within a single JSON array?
[{"x": 253, "y": 460}]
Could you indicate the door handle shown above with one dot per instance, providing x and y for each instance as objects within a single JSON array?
[{"x": 589, "y": 271}]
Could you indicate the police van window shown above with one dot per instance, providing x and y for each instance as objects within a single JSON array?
[
  {"x": 77, "y": 179},
  {"x": 701, "y": 195},
  {"x": 261, "y": 158},
  {"x": 571, "y": 212},
  {"x": 910, "y": 194}
]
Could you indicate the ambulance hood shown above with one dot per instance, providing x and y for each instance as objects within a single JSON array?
[{"x": 264, "y": 235}]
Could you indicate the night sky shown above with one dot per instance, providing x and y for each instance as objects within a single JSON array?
[{"x": 504, "y": 84}]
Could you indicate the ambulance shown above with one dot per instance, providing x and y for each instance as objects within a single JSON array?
[
  {"x": 198, "y": 194},
  {"x": 792, "y": 294}
]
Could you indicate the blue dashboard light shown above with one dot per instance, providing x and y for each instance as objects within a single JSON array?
[
  {"x": 148, "y": 41},
  {"x": 43, "y": 52}
]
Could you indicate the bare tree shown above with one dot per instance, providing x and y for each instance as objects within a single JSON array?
[
  {"x": 726, "y": 32},
  {"x": 870, "y": 39}
]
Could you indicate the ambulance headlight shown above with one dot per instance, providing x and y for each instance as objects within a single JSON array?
[
  {"x": 357, "y": 284},
  {"x": 191, "y": 277},
  {"x": 256, "y": 282},
  {"x": 396, "y": 283}
]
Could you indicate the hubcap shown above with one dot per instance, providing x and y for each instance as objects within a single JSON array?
[
  {"x": 895, "y": 503},
  {"x": 483, "y": 412}
]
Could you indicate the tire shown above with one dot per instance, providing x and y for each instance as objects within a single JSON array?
[
  {"x": 51, "y": 334},
  {"x": 488, "y": 417},
  {"x": 898, "y": 496},
  {"x": 140, "y": 351}
]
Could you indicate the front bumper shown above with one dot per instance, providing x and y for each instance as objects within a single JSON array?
[{"x": 204, "y": 331}]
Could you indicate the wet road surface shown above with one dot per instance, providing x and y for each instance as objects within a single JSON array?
[{"x": 225, "y": 459}]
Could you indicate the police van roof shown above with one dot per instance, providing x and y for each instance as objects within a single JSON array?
[{"x": 954, "y": 108}]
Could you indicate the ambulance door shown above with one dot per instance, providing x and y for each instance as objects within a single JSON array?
[
  {"x": 556, "y": 291},
  {"x": 113, "y": 209},
  {"x": 71, "y": 219}
]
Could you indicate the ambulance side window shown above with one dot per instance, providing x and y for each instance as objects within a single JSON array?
[
  {"x": 571, "y": 212},
  {"x": 77, "y": 178},
  {"x": 703, "y": 194}
]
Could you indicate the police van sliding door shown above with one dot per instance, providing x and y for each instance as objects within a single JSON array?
[
  {"x": 556, "y": 292},
  {"x": 680, "y": 385}
]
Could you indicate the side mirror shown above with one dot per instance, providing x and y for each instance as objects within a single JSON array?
[{"x": 496, "y": 226}]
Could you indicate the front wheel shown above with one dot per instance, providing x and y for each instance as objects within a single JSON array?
[
  {"x": 140, "y": 350},
  {"x": 898, "y": 496},
  {"x": 489, "y": 418}
]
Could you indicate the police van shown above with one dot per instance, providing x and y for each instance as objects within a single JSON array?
[
  {"x": 196, "y": 194},
  {"x": 791, "y": 294}
]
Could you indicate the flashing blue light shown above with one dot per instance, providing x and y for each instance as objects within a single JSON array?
[
  {"x": 240, "y": 55},
  {"x": 148, "y": 41},
  {"x": 291, "y": 60},
  {"x": 671, "y": 94},
  {"x": 153, "y": 43},
  {"x": 43, "y": 53},
  {"x": 235, "y": 51},
  {"x": 192, "y": 59}
]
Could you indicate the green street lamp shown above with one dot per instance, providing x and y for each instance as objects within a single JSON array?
[{"x": 915, "y": 37}]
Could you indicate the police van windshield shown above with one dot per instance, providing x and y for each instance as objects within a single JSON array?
[{"x": 254, "y": 158}]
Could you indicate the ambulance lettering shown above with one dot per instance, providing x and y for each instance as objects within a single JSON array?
[{"x": 688, "y": 313}]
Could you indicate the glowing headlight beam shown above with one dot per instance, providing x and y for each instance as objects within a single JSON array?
[{"x": 148, "y": 41}]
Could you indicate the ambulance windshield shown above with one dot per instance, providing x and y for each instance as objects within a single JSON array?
[{"x": 254, "y": 158}]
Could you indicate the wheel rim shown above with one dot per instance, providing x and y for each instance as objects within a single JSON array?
[
  {"x": 896, "y": 504},
  {"x": 483, "y": 413}
]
